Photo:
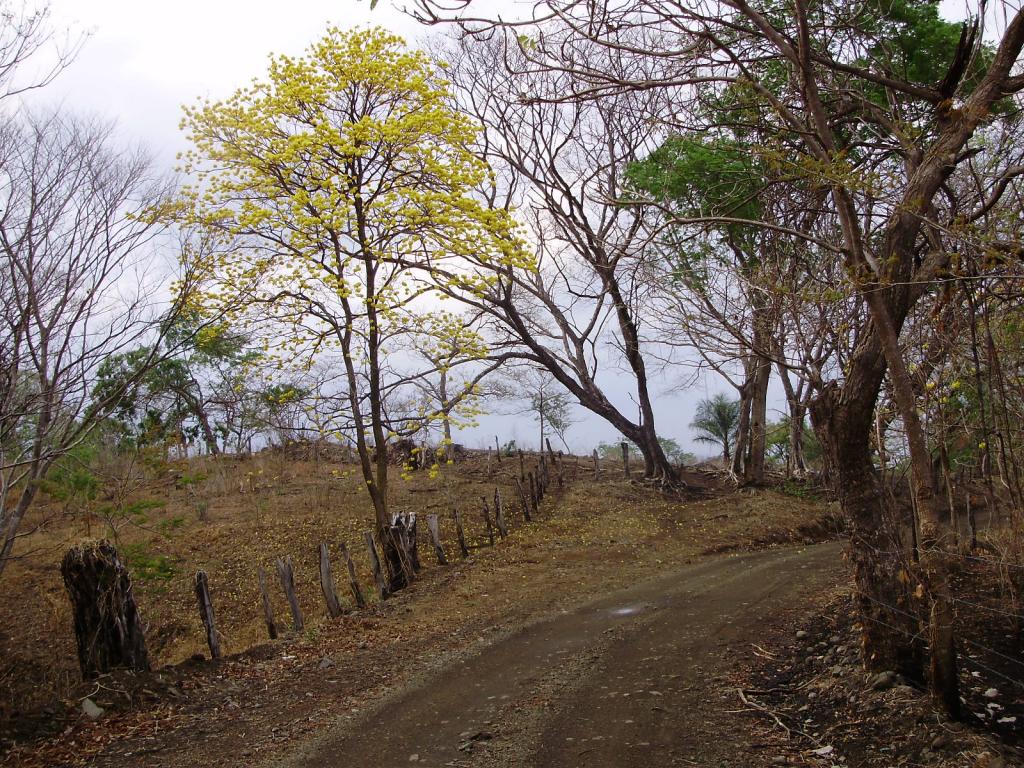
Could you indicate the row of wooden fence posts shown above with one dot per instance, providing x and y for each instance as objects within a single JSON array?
[{"x": 404, "y": 528}]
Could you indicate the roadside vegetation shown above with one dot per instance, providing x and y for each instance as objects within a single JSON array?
[{"x": 208, "y": 372}]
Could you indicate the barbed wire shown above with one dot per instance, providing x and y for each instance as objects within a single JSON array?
[
  {"x": 993, "y": 651},
  {"x": 990, "y": 560},
  {"x": 919, "y": 635},
  {"x": 987, "y": 608},
  {"x": 995, "y": 672}
]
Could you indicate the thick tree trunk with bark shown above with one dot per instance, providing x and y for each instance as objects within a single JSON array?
[
  {"x": 108, "y": 628},
  {"x": 760, "y": 375},
  {"x": 754, "y": 468},
  {"x": 842, "y": 419},
  {"x": 739, "y": 456},
  {"x": 657, "y": 466}
]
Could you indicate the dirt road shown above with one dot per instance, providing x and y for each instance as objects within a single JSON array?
[{"x": 638, "y": 678}]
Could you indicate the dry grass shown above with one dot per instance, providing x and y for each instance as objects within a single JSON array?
[{"x": 229, "y": 516}]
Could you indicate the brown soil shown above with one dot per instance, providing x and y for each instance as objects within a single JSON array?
[
  {"x": 635, "y": 678},
  {"x": 816, "y": 705},
  {"x": 596, "y": 537},
  {"x": 621, "y": 628}
]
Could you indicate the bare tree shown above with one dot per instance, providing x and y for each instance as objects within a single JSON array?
[
  {"x": 887, "y": 121},
  {"x": 75, "y": 229},
  {"x": 560, "y": 165},
  {"x": 539, "y": 394},
  {"x": 26, "y": 35}
]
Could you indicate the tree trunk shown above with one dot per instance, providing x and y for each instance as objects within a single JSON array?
[
  {"x": 760, "y": 374},
  {"x": 754, "y": 468},
  {"x": 10, "y": 520},
  {"x": 796, "y": 464},
  {"x": 739, "y": 450},
  {"x": 889, "y": 627},
  {"x": 657, "y": 466},
  {"x": 934, "y": 534},
  {"x": 108, "y": 628}
]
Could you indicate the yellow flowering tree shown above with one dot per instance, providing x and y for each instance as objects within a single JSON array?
[{"x": 341, "y": 185}]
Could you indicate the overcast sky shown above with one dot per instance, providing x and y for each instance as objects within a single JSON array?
[{"x": 144, "y": 60}]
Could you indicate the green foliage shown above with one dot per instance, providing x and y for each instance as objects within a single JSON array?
[
  {"x": 171, "y": 524},
  {"x": 614, "y": 450},
  {"x": 675, "y": 452},
  {"x": 702, "y": 176},
  {"x": 715, "y": 422},
  {"x": 134, "y": 511},
  {"x": 777, "y": 441},
  {"x": 72, "y": 480},
  {"x": 189, "y": 479},
  {"x": 912, "y": 41},
  {"x": 147, "y": 566},
  {"x": 798, "y": 489},
  {"x": 167, "y": 401}
]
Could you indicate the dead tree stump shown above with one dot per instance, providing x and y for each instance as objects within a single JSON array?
[
  {"x": 206, "y": 613},
  {"x": 108, "y": 629},
  {"x": 405, "y": 549},
  {"x": 286, "y": 573}
]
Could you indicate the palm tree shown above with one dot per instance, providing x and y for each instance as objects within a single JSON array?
[{"x": 715, "y": 421}]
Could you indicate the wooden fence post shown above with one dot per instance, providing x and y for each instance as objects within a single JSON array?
[
  {"x": 597, "y": 467},
  {"x": 487, "y": 521},
  {"x": 327, "y": 582},
  {"x": 499, "y": 514},
  {"x": 353, "y": 582},
  {"x": 206, "y": 613},
  {"x": 497, "y": 449},
  {"x": 268, "y": 608},
  {"x": 522, "y": 466},
  {"x": 522, "y": 498},
  {"x": 460, "y": 534},
  {"x": 378, "y": 574},
  {"x": 435, "y": 536},
  {"x": 625, "y": 459},
  {"x": 286, "y": 573},
  {"x": 561, "y": 470},
  {"x": 534, "y": 501}
]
